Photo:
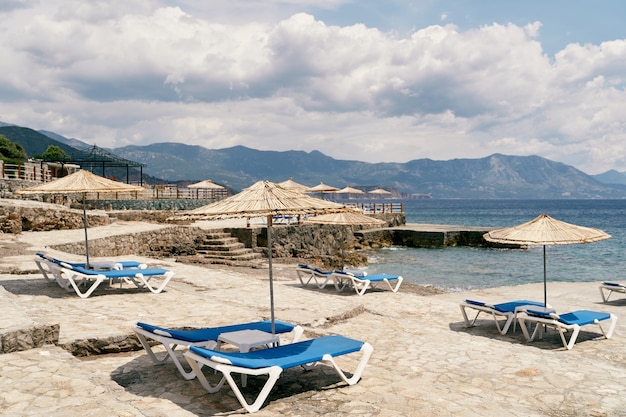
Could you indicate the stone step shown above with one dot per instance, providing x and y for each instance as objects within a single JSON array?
[
  {"x": 218, "y": 235},
  {"x": 234, "y": 257},
  {"x": 234, "y": 252},
  {"x": 219, "y": 241},
  {"x": 221, "y": 247}
]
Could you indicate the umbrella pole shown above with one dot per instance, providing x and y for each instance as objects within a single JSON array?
[
  {"x": 86, "y": 239},
  {"x": 269, "y": 257},
  {"x": 545, "y": 285}
]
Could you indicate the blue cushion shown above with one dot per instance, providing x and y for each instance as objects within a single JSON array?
[
  {"x": 477, "y": 303},
  {"x": 122, "y": 273},
  {"x": 287, "y": 356},
  {"x": 380, "y": 277},
  {"x": 583, "y": 317},
  {"x": 212, "y": 333},
  {"x": 510, "y": 306}
]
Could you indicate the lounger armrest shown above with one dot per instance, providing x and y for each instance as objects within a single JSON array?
[
  {"x": 476, "y": 303},
  {"x": 543, "y": 314}
]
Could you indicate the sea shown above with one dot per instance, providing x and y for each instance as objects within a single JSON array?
[{"x": 468, "y": 268}]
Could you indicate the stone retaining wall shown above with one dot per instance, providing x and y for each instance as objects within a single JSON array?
[
  {"x": 16, "y": 218},
  {"x": 29, "y": 338},
  {"x": 170, "y": 241}
]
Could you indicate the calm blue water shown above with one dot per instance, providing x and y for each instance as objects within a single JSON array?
[{"x": 463, "y": 268}]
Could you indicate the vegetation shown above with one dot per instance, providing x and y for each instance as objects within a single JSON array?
[
  {"x": 10, "y": 152},
  {"x": 54, "y": 153}
]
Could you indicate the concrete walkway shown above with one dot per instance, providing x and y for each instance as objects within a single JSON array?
[{"x": 425, "y": 362}]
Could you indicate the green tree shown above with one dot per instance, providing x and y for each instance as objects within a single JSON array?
[
  {"x": 53, "y": 153},
  {"x": 11, "y": 152}
]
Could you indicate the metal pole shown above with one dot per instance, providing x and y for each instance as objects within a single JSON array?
[
  {"x": 545, "y": 285},
  {"x": 85, "y": 223},
  {"x": 269, "y": 256}
]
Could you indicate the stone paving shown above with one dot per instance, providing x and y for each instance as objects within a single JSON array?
[{"x": 425, "y": 362}]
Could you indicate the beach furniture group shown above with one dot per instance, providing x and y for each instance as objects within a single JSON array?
[
  {"x": 260, "y": 353},
  {"x": 85, "y": 280},
  {"x": 358, "y": 281},
  {"x": 529, "y": 313}
]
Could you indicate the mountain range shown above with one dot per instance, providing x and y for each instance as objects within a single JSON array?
[{"x": 494, "y": 176}]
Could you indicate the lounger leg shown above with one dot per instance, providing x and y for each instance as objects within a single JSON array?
[
  {"x": 196, "y": 368},
  {"x": 466, "y": 319},
  {"x": 397, "y": 287},
  {"x": 612, "y": 324},
  {"x": 273, "y": 374},
  {"x": 142, "y": 282},
  {"x": 605, "y": 299},
  {"x": 366, "y": 350},
  {"x": 91, "y": 289}
]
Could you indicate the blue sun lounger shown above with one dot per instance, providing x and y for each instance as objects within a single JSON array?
[
  {"x": 207, "y": 337},
  {"x": 273, "y": 361},
  {"x": 74, "y": 277},
  {"x": 563, "y": 322},
  {"x": 507, "y": 310},
  {"x": 360, "y": 284},
  {"x": 309, "y": 273},
  {"x": 98, "y": 265}
]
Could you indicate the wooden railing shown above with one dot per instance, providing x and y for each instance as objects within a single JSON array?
[
  {"x": 372, "y": 207},
  {"x": 31, "y": 172}
]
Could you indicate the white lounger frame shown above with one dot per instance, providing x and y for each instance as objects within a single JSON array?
[
  {"x": 307, "y": 275},
  {"x": 561, "y": 327},
  {"x": 273, "y": 372},
  {"x": 170, "y": 344},
  {"x": 620, "y": 288},
  {"x": 362, "y": 284}
]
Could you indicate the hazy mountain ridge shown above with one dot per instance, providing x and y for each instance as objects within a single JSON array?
[{"x": 495, "y": 176}]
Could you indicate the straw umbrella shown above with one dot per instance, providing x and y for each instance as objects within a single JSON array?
[
  {"x": 346, "y": 218},
  {"x": 380, "y": 192},
  {"x": 206, "y": 185},
  {"x": 290, "y": 184},
  {"x": 349, "y": 190},
  {"x": 265, "y": 199},
  {"x": 545, "y": 230},
  {"x": 81, "y": 182},
  {"x": 322, "y": 188}
]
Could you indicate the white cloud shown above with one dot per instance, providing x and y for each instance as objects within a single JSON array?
[{"x": 136, "y": 72}]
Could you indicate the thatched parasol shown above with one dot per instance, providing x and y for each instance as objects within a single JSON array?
[
  {"x": 346, "y": 218},
  {"x": 545, "y": 230},
  {"x": 290, "y": 184},
  {"x": 264, "y": 199},
  {"x": 81, "y": 182}
]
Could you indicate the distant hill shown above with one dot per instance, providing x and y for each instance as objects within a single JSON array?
[
  {"x": 33, "y": 142},
  {"x": 611, "y": 177},
  {"x": 495, "y": 176}
]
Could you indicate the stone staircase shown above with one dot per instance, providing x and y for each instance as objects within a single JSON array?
[{"x": 222, "y": 248}]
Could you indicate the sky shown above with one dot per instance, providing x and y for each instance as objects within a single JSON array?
[{"x": 365, "y": 80}]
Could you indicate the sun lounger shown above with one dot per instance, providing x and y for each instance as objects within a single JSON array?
[
  {"x": 73, "y": 277},
  {"x": 308, "y": 273},
  {"x": 506, "y": 310},
  {"x": 360, "y": 284},
  {"x": 611, "y": 287},
  {"x": 272, "y": 362},
  {"x": 562, "y": 323},
  {"x": 99, "y": 265},
  {"x": 207, "y": 337}
]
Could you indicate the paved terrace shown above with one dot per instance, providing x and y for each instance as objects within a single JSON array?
[{"x": 425, "y": 362}]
